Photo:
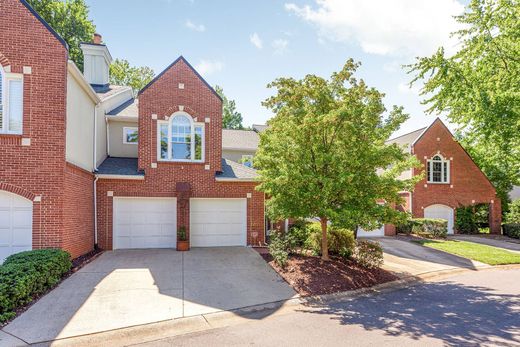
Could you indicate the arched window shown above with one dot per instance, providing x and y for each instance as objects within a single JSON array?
[
  {"x": 181, "y": 139},
  {"x": 438, "y": 170}
]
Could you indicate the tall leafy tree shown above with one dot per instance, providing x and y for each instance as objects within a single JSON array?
[
  {"x": 324, "y": 153},
  {"x": 70, "y": 20},
  {"x": 478, "y": 87},
  {"x": 123, "y": 74},
  {"x": 231, "y": 118}
]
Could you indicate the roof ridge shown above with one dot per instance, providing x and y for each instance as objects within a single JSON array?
[{"x": 411, "y": 132}]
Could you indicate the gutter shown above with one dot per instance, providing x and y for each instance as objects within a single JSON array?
[
  {"x": 223, "y": 179},
  {"x": 120, "y": 177}
]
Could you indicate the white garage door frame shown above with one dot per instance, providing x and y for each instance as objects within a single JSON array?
[
  {"x": 195, "y": 225},
  {"x": 144, "y": 215},
  {"x": 16, "y": 216},
  {"x": 440, "y": 211}
]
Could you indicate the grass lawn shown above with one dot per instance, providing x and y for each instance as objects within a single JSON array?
[{"x": 483, "y": 253}]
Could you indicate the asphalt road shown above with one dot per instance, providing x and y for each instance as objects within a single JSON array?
[{"x": 476, "y": 308}]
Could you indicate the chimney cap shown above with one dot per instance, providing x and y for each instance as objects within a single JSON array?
[{"x": 97, "y": 39}]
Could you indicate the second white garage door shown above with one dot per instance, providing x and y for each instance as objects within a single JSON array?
[
  {"x": 218, "y": 222},
  {"x": 145, "y": 223}
]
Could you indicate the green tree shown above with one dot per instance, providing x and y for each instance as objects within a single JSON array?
[
  {"x": 478, "y": 87},
  {"x": 231, "y": 118},
  {"x": 70, "y": 20},
  {"x": 324, "y": 151},
  {"x": 123, "y": 74}
]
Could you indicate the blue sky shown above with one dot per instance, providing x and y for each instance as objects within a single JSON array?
[{"x": 243, "y": 45}]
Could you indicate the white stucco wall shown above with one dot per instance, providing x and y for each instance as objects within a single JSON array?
[
  {"x": 80, "y": 126},
  {"x": 116, "y": 146}
]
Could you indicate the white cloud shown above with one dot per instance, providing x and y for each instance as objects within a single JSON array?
[
  {"x": 397, "y": 27},
  {"x": 256, "y": 41},
  {"x": 404, "y": 88},
  {"x": 196, "y": 27},
  {"x": 280, "y": 46},
  {"x": 207, "y": 67}
]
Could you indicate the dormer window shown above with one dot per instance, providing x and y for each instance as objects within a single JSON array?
[
  {"x": 438, "y": 170},
  {"x": 180, "y": 139},
  {"x": 11, "y": 102}
]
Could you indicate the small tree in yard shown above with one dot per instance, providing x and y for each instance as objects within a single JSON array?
[{"x": 323, "y": 153}]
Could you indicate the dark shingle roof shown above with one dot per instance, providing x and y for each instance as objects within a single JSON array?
[
  {"x": 119, "y": 166},
  {"x": 129, "y": 108},
  {"x": 235, "y": 171}
]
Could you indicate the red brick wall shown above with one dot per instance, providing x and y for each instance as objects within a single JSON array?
[
  {"x": 38, "y": 169},
  {"x": 468, "y": 185},
  {"x": 163, "y": 98},
  {"x": 78, "y": 211}
]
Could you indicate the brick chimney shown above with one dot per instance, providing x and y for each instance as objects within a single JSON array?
[{"x": 97, "y": 39}]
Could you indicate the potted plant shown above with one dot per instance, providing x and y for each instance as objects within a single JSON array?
[{"x": 182, "y": 240}]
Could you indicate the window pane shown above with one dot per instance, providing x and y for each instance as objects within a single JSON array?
[
  {"x": 15, "y": 106},
  {"x": 131, "y": 135},
  {"x": 181, "y": 151},
  {"x": 436, "y": 171},
  {"x": 198, "y": 143},
  {"x": 164, "y": 141},
  {"x": 445, "y": 172}
]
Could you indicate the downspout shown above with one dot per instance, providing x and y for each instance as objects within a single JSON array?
[
  {"x": 95, "y": 215},
  {"x": 108, "y": 142},
  {"x": 94, "y": 165}
]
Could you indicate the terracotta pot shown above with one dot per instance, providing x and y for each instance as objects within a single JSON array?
[{"x": 183, "y": 246}]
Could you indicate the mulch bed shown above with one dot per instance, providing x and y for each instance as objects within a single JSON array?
[
  {"x": 309, "y": 275},
  {"x": 77, "y": 264}
]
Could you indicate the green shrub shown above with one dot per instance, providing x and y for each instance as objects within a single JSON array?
[
  {"x": 279, "y": 248},
  {"x": 299, "y": 233},
  {"x": 405, "y": 227},
  {"x": 513, "y": 215},
  {"x": 341, "y": 241},
  {"x": 429, "y": 227},
  {"x": 26, "y": 274},
  {"x": 369, "y": 254},
  {"x": 512, "y": 230},
  {"x": 465, "y": 221}
]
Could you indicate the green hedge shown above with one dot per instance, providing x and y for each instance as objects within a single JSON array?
[
  {"x": 425, "y": 227},
  {"x": 512, "y": 230},
  {"x": 26, "y": 274},
  {"x": 341, "y": 241}
]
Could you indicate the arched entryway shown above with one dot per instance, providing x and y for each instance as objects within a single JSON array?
[
  {"x": 16, "y": 214},
  {"x": 439, "y": 211}
]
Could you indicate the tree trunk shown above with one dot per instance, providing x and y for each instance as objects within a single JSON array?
[
  {"x": 355, "y": 232},
  {"x": 324, "y": 241}
]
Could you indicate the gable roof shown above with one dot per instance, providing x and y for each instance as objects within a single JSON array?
[
  {"x": 180, "y": 58},
  {"x": 240, "y": 139},
  {"x": 45, "y": 24},
  {"x": 233, "y": 171},
  {"x": 406, "y": 139}
]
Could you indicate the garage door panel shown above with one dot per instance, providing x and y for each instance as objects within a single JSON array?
[
  {"x": 22, "y": 237},
  {"x": 22, "y": 218},
  {"x": 5, "y": 237},
  {"x": 372, "y": 233},
  {"x": 15, "y": 224},
  {"x": 440, "y": 212},
  {"x": 218, "y": 222},
  {"x": 145, "y": 223}
]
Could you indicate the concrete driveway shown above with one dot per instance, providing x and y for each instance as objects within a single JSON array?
[
  {"x": 407, "y": 258},
  {"x": 499, "y": 241},
  {"x": 133, "y": 287}
]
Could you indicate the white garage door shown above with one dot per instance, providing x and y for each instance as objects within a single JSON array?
[
  {"x": 145, "y": 223},
  {"x": 218, "y": 222},
  {"x": 372, "y": 233},
  {"x": 440, "y": 212},
  {"x": 15, "y": 224}
]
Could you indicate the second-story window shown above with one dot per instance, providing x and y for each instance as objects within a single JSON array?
[
  {"x": 438, "y": 170},
  {"x": 181, "y": 139},
  {"x": 11, "y": 102}
]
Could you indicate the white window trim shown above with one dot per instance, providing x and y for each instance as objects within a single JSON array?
[
  {"x": 430, "y": 171},
  {"x": 192, "y": 125},
  {"x": 125, "y": 129},
  {"x": 6, "y": 77}
]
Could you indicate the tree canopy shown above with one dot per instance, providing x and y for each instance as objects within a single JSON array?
[
  {"x": 478, "y": 87},
  {"x": 231, "y": 118},
  {"x": 325, "y": 149},
  {"x": 70, "y": 20},
  {"x": 123, "y": 74}
]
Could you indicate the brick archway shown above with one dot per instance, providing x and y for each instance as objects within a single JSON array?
[
  {"x": 17, "y": 190},
  {"x": 3, "y": 60}
]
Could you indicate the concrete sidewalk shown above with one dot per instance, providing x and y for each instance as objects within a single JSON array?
[
  {"x": 406, "y": 258},
  {"x": 490, "y": 241}
]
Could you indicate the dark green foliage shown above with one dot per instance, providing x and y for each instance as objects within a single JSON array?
[
  {"x": 369, "y": 254},
  {"x": 341, "y": 241},
  {"x": 470, "y": 219},
  {"x": 512, "y": 230},
  {"x": 27, "y": 274},
  {"x": 181, "y": 233},
  {"x": 513, "y": 215},
  {"x": 279, "y": 248},
  {"x": 231, "y": 118},
  {"x": 426, "y": 227}
]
